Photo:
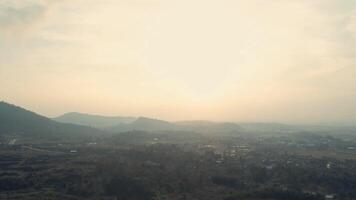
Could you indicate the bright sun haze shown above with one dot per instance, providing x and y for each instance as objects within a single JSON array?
[{"x": 283, "y": 61}]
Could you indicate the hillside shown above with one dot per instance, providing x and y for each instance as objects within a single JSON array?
[
  {"x": 144, "y": 124},
  {"x": 17, "y": 121},
  {"x": 147, "y": 124},
  {"x": 90, "y": 120}
]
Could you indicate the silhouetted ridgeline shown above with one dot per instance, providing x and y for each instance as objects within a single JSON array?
[
  {"x": 96, "y": 121},
  {"x": 15, "y": 120}
]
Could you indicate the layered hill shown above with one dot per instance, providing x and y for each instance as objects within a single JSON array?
[
  {"x": 148, "y": 124},
  {"x": 90, "y": 120},
  {"x": 18, "y": 121}
]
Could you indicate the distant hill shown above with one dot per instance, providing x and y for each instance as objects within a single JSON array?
[
  {"x": 278, "y": 128},
  {"x": 123, "y": 124},
  {"x": 17, "y": 121},
  {"x": 148, "y": 124},
  {"x": 144, "y": 124},
  {"x": 208, "y": 126},
  {"x": 96, "y": 121},
  {"x": 269, "y": 127}
]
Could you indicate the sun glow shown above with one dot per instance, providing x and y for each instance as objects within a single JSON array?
[{"x": 210, "y": 59}]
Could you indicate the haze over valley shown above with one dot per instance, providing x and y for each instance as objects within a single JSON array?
[
  {"x": 177, "y": 100},
  {"x": 280, "y": 61}
]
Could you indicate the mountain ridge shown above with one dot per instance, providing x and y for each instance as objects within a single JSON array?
[
  {"x": 15, "y": 120},
  {"x": 93, "y": 120}
]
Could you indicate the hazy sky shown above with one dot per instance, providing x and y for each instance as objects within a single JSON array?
[{"x": 238, "y": 60}]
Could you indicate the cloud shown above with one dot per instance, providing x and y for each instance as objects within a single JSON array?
[{"x": 17, "y": 16}]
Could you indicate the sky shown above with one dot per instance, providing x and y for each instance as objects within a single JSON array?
[{"x": 290, "y": 61}]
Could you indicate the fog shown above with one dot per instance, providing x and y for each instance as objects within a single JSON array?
[{"x": 282, "y": 61}]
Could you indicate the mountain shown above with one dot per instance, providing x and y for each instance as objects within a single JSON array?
[
  {"x": 148, "y": 124},
  {"x": 96, "y": 121},
  {"x": 144, "y": 124},
  {"x": 20, "y": 122}
]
